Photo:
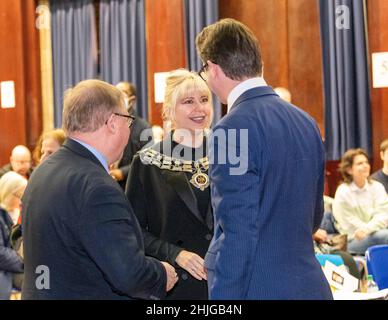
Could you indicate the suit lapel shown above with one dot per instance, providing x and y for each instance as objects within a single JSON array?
[
  {"x": 179, "y": 182},
  {"x": 209, "y": 217}
]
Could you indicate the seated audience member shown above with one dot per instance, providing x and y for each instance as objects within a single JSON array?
[
  {"x": 382, "y": 175},
  {"x": 328, "y": 223},
  {"x": 360, "y": 205},
  {"x": 12, "y": 186},
  {"x": 47, "y": 144},
  {"x": 20, "y": 162},
  {"x": 120, "y": 170},
  {"x": 168, "y": 186}
]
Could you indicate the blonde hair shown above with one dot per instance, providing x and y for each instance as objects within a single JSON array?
[
  {"x": 127, "y": 87},
  {"x": 10, "y": 184},
  {"x": 181, "y": 83},
  {"x": 56, "y": 134},
  {"x": 87, "y": 105}
]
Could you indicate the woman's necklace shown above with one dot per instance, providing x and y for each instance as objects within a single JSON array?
[{"x": 199, "y": 179}]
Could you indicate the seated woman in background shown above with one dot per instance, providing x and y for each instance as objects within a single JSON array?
[
  {"x": 168, "y": 186},
  {"x": 12, "y": 186},
  {"x": 360, "y": 205},
  {"x": 47, "y": 144}
]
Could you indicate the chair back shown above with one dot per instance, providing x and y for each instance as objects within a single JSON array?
[{"x": 377, "y": 264}]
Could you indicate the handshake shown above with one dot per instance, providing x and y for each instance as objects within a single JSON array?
[{"x": 172, "y": 276}]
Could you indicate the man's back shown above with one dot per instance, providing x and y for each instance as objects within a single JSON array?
[
  {"x": 77, "y": 223},
  {"x": 278, "y": 202}
]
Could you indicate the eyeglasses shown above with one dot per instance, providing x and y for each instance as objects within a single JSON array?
[
  {"x": 130, "y": 118},
  {"x": 202, "y": 70}
]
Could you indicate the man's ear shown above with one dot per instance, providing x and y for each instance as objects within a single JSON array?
[
  {"x": 111, "y": 124},
  {"x": 213, "y": 68},
  {"x": 382, "y": 155},
  {"x": 216, "y": 70}
]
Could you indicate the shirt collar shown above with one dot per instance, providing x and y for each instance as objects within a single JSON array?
[
  {"x": 242, "y": 87},
  {"x": 96, "y": 153},
  {"x": 353, "y": 187}
]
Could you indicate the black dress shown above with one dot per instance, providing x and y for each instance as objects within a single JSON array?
[{"x": 173, "y": 213}]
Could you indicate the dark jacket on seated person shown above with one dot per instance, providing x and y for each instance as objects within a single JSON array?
[
  {"x": 381, "y": 177},
  {"x": 10, "y": 261}
]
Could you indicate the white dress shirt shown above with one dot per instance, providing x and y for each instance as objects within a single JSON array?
[
  {"x": 360, "y": 208},
  {"x": 242, "y": 87}
]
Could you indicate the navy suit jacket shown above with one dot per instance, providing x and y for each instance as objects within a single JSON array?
[
  {"x": 78, "y": 223},
  {"x": 264, "y": 219}
]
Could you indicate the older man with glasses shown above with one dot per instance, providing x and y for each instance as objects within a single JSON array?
[{"x": 78, "y": 226}]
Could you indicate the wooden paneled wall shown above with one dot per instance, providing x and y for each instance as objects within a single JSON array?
[
  {"x": 378, "y": 42},
  {"x": 289, "y": 36},
  {"x": 165, "y": 45},
  {"x": 19, "y": 62}
]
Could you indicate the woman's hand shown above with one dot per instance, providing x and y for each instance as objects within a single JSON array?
[
  {"x": 116, "y": 174},
  {"x": 360, "y": 234},
  {"x": 192, "y": 263},
  {"x": 320, "y": 236}
]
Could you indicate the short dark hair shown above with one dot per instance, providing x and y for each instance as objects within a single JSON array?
[
  {"x": 347, "y": 162},
  {"x": 233, "y": 46},
  {"x": 384, "y": 145}
]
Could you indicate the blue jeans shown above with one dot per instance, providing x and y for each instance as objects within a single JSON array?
[{"x": 360, "y": 246}]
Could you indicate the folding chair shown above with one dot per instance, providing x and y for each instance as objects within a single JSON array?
[{"x": 377, "y": 264}]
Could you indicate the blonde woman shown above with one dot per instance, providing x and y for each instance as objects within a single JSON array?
[
  {"x": 168, "y": 186},
  {"x": 12, "y": 186}
]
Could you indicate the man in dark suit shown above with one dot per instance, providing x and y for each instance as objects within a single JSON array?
[
  {"x": 268, "y": 204},
  {"x": 81, "y": 237},
  {"x": 136, "y": 141}
]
